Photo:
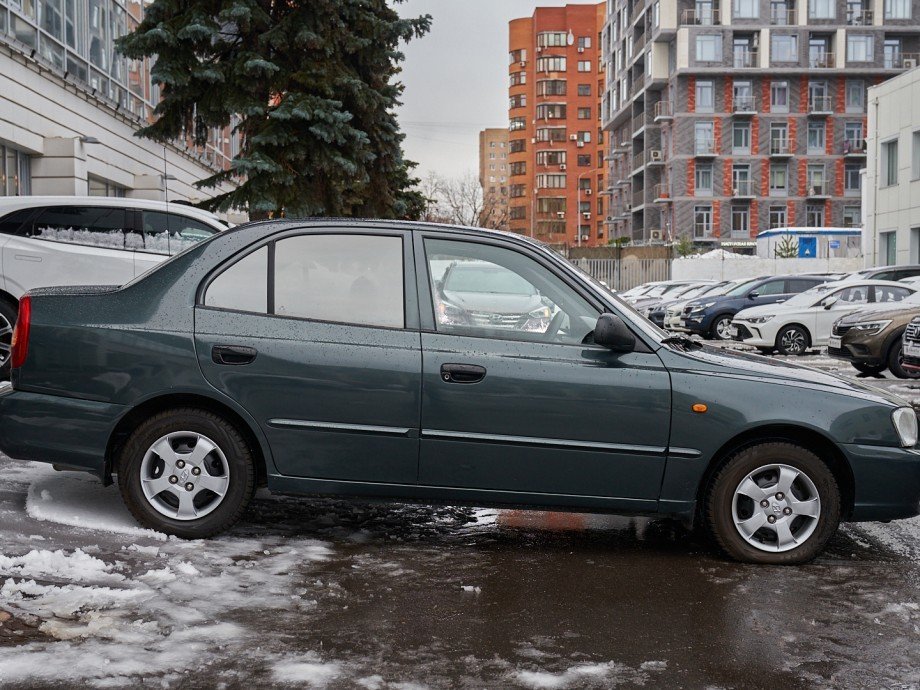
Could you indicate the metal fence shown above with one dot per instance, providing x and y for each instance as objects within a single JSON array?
[{"x": 623, "y": 274}]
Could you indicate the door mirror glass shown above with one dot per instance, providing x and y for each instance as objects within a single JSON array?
[
  {"x": 829, "y": 302},
  {"x": 611, "y": 332}
]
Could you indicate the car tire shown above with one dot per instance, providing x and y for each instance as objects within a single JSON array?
[
  {"x": 868, "y": 369},
  {"x": 8, "y": 315},
  {"x": 894, "y": 362},
  {"x": 805, "y": 516},
  {"x": 765, "y": 351},
  {"x": 719, "y": 329},
  {"x": 186, "y": 472},
  {"x": 792, "y": 340}
]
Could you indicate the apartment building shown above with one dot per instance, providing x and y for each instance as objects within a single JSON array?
[
  {"x": 728, "y": 117},
  {"x": 493, "y": 177},
  {"x": 892, "y": 195},
  {"x": 557, "y": 169}
]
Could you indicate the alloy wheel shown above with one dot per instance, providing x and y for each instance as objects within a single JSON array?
[
  {"x": 793, "y": 341},
  {"x": 6, "y": 339},
  {"x": 723, "y": 328},
  {"x": 184, "y": 475},
  {"x": 776, "y": 508}
]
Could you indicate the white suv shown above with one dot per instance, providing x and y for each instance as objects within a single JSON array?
[{"x": 48, "y": 241}]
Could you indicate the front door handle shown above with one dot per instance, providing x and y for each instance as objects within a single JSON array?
[
  {"x": 462, "y": 373},
  {"x": 233, "y": 355}
]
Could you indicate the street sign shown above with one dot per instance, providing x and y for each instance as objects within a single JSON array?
[
  {"x": 808, "y": 247},
  {"x": 834, "y": 244}
]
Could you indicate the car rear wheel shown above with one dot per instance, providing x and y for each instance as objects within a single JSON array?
[
  {"x": 792, "y": 340},
  {"x": 186, "y": 472},
  {"x": 8, "y": 314},
  {"x": 773, "y": 503},
  {"x": 895, "y": 359},
  {"x": 721, "y": 328}
]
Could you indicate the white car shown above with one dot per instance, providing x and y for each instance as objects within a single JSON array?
[
  {"x": 674, "y": 311},
  {"x": 805, "y": 320},
  {"x": 49, "y": 241}
]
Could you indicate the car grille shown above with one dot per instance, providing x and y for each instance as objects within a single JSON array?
[
  {"x": 837, "y": 352},
  {"x": 687, "y": 311},
  {"x": 492, "y": 320},
  {"x": 840, "y": 330},
  {"x": 912, "y": 332}
]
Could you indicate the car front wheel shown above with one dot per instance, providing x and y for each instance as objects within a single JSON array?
[
  {"x": 186, "y": 472},
  {"x": 895, "y": 360},
  {"x": 721, "y": 328},
  {"x": 773, "y": 503},
  {"x": 792, "y": 340}
]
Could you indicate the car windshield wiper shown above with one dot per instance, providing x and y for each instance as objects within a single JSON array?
[{"x": 682, "y": 340}]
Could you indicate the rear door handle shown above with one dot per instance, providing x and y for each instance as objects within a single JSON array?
[
  {"x": 462, "y": 373},
  {"x": 233, "y": 355}
]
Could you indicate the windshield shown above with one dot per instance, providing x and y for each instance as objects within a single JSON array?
[
  {"x": 741, "y": 289},
  {"x": 487, "y": 279},
  {"x": 693, "y": 291}
]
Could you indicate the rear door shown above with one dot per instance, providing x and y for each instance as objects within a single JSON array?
[
  {"x": 316, "y": 335},
  {"x": 69, "y": 245}
]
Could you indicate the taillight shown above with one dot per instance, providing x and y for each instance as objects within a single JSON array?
[{"x": 20, "y": 343}]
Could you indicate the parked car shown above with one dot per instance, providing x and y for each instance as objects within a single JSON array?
[
  {"x": 656, "y": 312},
  {"x": 639, "y": 290},
  {"x": 673, "y": 317},
  {"x": 871, "y": 339},
  {"x": 643, "y": 304},
  {"x": 711, "y": 317},
  {"x": 47, "y": 241},
  {"x": 910, "y": 347},
  {"x": 885, "y": 273},
  {"x": 805, "y": 320},
  {"x": 310, "y": 356},
  {"x": 658, "y": 292}
]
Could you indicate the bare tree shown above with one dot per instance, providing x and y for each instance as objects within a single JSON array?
[{"x": 459, "y": 201}]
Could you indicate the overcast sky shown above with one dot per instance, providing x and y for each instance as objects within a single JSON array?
[{"x": 456, "y": 79}]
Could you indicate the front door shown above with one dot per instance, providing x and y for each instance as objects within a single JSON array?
[
  {"x": 517, "y": 399},
  {"x": 316, "y": 336}
]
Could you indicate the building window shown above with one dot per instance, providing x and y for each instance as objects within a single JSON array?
[
  {"x": 779, "y": 138},
  {"x": 550, "y": 181},
  {"x": 15, "y": 172},
  {"x": 859, "y": 48},
  {"x": 584, "y": 89},
  {"x": 584, "y": 137},
  {"x": 779, "y": 179},
  {"x": 552, "y": 204},
  {"x": 552, "y": 39},
  {"x": 777, "y": 217},
  {"x": 584, "y": 160},
  {"x": 551, "y": 87},
  {"x": 551, "y": 64},
  {"x": 784, "y": 48},
  {"x": 517, "y": 145},
  {"x": 815, "y": 179},
  {"x": 703, "y": 180},
  {"x": 517, "y": 123},
  {"x": 516, "y": 191},
  {"x": 821, "y": 9},
  {"x": 743, "y": 96},
  {"x": 551, "y": 134},
  {"x": 741, "y": 137},
  {"x": 741, "y": 221},
  {"x": 517, "y": 56},
  {"x": 897, "y": 9},
  {"x": 518, "y": 78},
  {"x": 855, "y": 95},
  {"x": 584, "y": 65},
  {"x": 779, "y": 97},
  {"x": 741, "y": 180},
  {"x": 702, "y": 222},
  {"x": 584, "y": 42},
  {"x": 852, "y": 184},
  {"x": 518, "y": 168},
  {"x": 888, "y": 247},
  {"x": 705, "y": 99},
  {"x": 517, "y": 213},
  {"x": 915, "y": 155},
  {"x": 892, "y": 53},
  {"x": 745, "y": 9},
  {"x": 703, "y": 137},
  {"x": 584, "y": 113},
  {"x": 852, "y": 217},
  {"x": 518, "y": 101},
  {"x": 818, "y": 99},
  {"x": 709, "y": 48},
  {"x": 551, "y": 111},
  {"x": 814, "y": 215},
  {"x": 816, "y": 137},
  {"x": 890, "y": 163},
  {"x": 551, "y": 158}
]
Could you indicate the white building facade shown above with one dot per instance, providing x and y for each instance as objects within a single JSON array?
[
  {"x": 70, "y": 104},
  {"x": 892, "y": 190}
]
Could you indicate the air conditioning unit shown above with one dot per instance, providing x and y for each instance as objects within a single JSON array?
[
  {"x": 539, "y": 49},
  {"x": 655, "y": 235},
  {"x": 587, "y": 192},
  {"x": 609, "y": 219},
  {"x": 909, "y": 63},
  {"x": 573, "y": 137},
  {"x": 560, "y": 214},
  {"x": 656, "y": 155},
  {"x": 587, "y": 216},
  {"x": 581, "y": 144},
  {"x": 581, "y": 49},
  {"x": 562, "y": 166},
  {"x": 585, "y": 238},
  {"x": 523, "y": 63},
  {"x": 628, "y": 206}
]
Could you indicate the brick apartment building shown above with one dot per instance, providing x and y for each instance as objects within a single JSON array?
[
  {"x": 728, "y": 117},
  {"x": 557, "y": 169},
  {"x": 493, "y": 177}
]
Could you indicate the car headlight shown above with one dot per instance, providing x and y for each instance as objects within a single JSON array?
[
  {"x": 702, "y": 307},
  {"x": 871, "y": 326},
  {"x": 538, "y": 320},
  {"x": 905, "y": 423},
  {"x": 758, "y": 319}
]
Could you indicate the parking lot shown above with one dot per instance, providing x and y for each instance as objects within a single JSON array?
[{"x": 323, "y": 593}]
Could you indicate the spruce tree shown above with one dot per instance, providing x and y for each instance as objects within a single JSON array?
[{"x": 312, "y": 86}]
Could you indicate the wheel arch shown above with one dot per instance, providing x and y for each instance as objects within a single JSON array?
[
  {"x": 9, "y": 299},
  {"x": 807, "y": 438},
  {"x": 129, "y": 421}
]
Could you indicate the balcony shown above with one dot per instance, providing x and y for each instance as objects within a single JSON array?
[
  {"x": 822, "y": 61},
  {"x": 654, "y": 157},
  {"x": 854, "y": 148},
  {"x": 704, "y": 148},
  {"x": 638, "y": 124},
  {"x": 820, "y": 105},
  {"x": 742, "y": 59},
  {"x": 782, "y": 17},
  {"x": 902, "y": 61},
  {"x": 818, "y": 191},
  {"x": 662, "y": 194},
  {"x": 743, "y": 189},
  {"x": 638, "y": 10},
  {"x": 638, "y": 164},
  {"x": 664, "y": 111},
  {"x": 700, "y": 18},
  {"x": 859, "y": 17},
  {"x": 743, "y": 105},
  {"x": 638, "y": 199},
  {"x": 780, "y": 148}
]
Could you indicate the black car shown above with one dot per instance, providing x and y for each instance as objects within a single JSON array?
[{"x": 711, "y": 317}]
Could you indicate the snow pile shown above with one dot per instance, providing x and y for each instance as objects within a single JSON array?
[
  {"x": 78, "y": 566},
  {"x": 719, "y": 255},
  {"x": 306, "y": 670},
  {"x": 584, "y": 675}
]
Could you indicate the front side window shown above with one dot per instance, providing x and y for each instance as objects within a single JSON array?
[
  {"x": 773, "y": 287},
  {"x": 94, "y": 226},
  {"x": 487, "y": 291}
]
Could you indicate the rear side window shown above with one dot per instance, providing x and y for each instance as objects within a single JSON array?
[
  {"x": 344, "y": 278},
  {"x": 798, "y": 285},
  {"x": 168, "y": 233},
  {"x": 243, "y": 286},
  {"x": 14, "y": 223},
  {"x": 93, "y": 226},
  {"x": 890, "y": 294},
  {"x": 907, "y": 273}
]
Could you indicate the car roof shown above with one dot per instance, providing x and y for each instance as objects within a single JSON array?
[
  {"x": 15, "y": 203},
  {"x": 867, "y": 282}
]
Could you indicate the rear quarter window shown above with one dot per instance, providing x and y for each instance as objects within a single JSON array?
[
  {"x": 15, "y": 223},
  {"x": 93, "y": 226}
]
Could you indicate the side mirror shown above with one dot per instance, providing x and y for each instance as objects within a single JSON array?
[
  {"x": 829, "y": 302},
  {"x": 612, "y": 333},
  {"x": 754, "y": 294}
]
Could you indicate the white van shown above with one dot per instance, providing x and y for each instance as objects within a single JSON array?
[{"x": 47, "y": 241}]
